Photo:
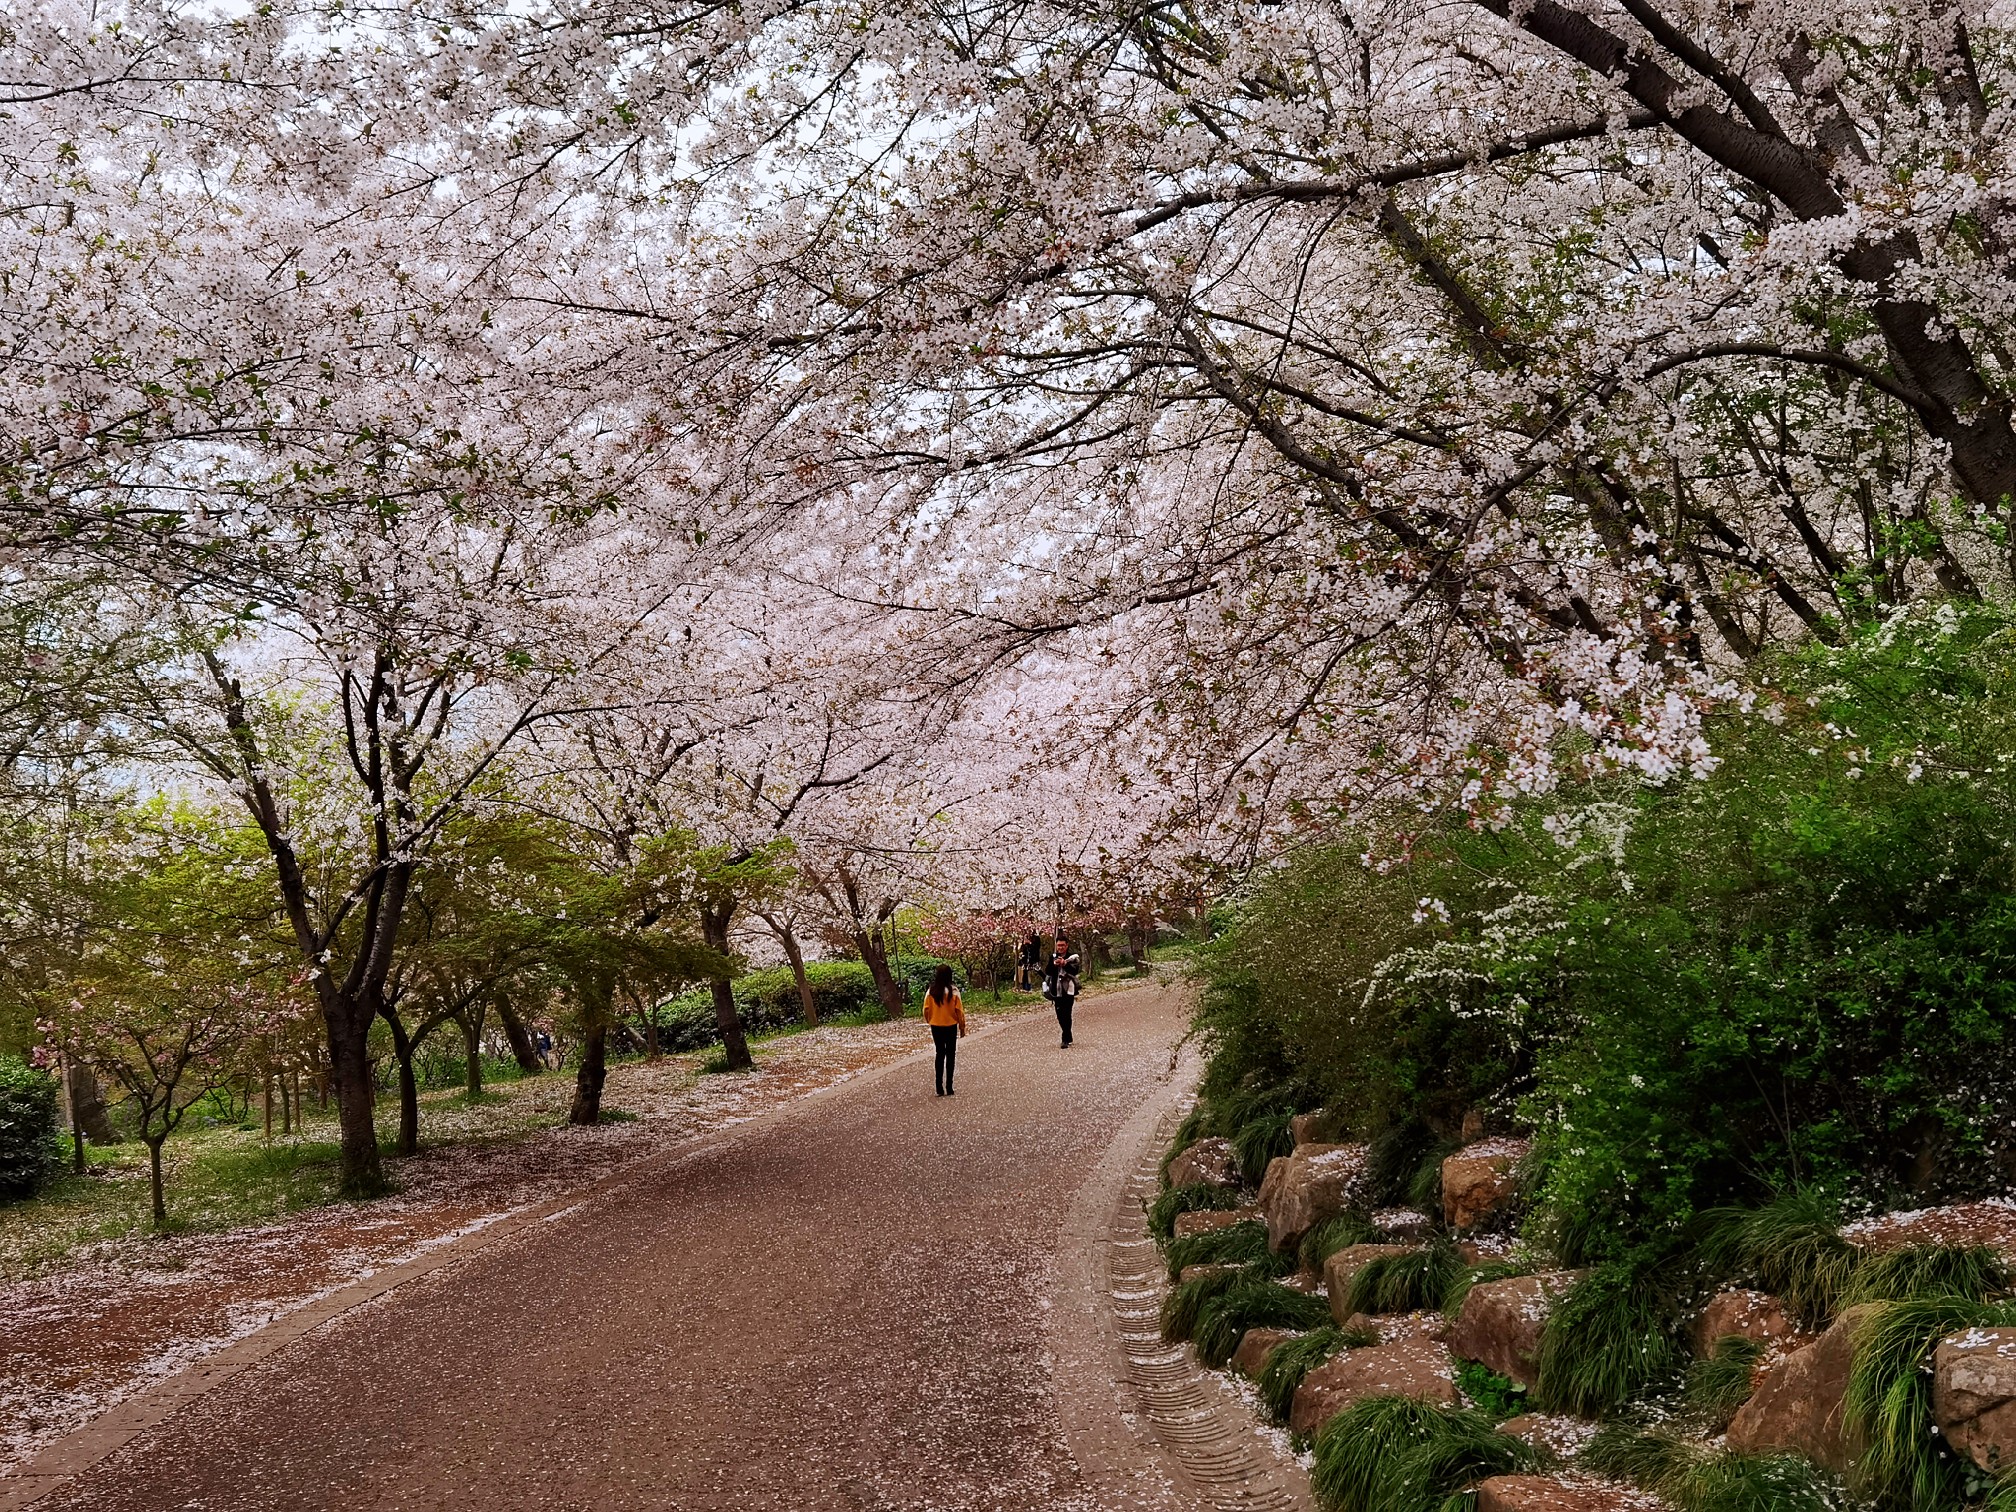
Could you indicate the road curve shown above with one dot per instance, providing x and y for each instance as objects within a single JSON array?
[{"x": 845, "y": 1306}]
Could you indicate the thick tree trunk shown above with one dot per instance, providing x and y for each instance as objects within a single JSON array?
[
  {"x": 788, "y": 938},
  {"x": 869, "y": 943},
  {"x": 472, "y": 1040},
  {"x": 87, "y": 1106},
  {"x": 591, "y": 1074},
  {"x": 349, "y": 1074},
  {"x": 522, "y": 1049}
]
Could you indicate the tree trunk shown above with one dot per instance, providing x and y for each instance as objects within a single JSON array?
[
  {"x": 349, "y": 1075},
  {"x": 87, "y": 1106},
  {"x": 590, "y": 1076},
  {"x": 409, "y": 1091},
  {"x": 266, "y": 1100},
  {"x": 522, "y": 1049},
  {"x": 788, "y": 938},
  {"x": 290, "y": 1099},
  {"x": 154, "y": 1181},
  {"x": 714, "y": 920},
  {"x": 471, "y": 1020},
  {"x": 869, "y": 943}
]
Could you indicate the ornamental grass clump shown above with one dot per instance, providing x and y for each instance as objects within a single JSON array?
[
  {"x": 1198, "y": 1197},
  {"x": 1905, "y": 1463},
  {"x": 1792, "y": 1247},
  {"x": 1243, "y": 1243},
  {"x": 1690, "y": 1476},
  {"x": 1397, "y": 1454},
  {"x": 1252, "y": 1301},
  {"x": 1331, "y": 1235},
  {"x": 1419, "y": 1281},
  {"x": 1720, "y": 1382},
  {"x": 1292, "y": 1359},
  {"x": 1259, "y": 1141},
  {"x": 1185, "y": 1302},
  {"x": 1608, "y": 1339}
]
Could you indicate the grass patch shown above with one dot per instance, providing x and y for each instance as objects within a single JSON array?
[
  {"x": 1260, "y": 1140},
  {"x": 1198, "y": 1197},
  {"x": 1292, "y": 1359},
  {"x": 1792, "y": 1248},
  {"x": 1252, "y": 1301},
  {"x": 1889, "y": 1401},
  {"x": 1609, "y": 1338},
  {"x": 1927, "y": 1270},
  {"x": 1242, "y": 1243},
  {"x": 1416, "y": 1282},
  {"x": 1693, "y": 1477},
  {"x": 1720, "y": 1382},
  {"x": 1184, "y": 1305},
  {"x": 1331, "y": 1235},
  {"x": 1395, "y": 1454}
]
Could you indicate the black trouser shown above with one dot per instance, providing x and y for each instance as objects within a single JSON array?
[
  {"x": 1064, "y": 1015},
  {"x": 945, "y": 1040}
]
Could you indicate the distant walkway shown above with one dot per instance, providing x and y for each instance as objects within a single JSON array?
[{"x": 847, "y": 1306}]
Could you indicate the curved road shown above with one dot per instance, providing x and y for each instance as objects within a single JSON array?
[{"x": 866, "y": 1302}]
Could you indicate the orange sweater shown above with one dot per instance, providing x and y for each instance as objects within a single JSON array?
[{"x": 944, "y": 1015}]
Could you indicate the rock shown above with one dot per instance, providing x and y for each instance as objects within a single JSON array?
[
  {"x": 1342, "y": 1268},
  {"x": 1209, "y": 1162},
  {"x": 1798, "y": 1407},
  {"x": 1974, "y": 1395},
  {"x": 1547, "y": 1493},
  {"x": 1312, "y": 1128},
  {"x": 1480, "y": 1182},
  {"x": 1746, "y": 1315},
  {"x": 1991, "y": 1221},
  {"x": 1502, "y": 1321},
  {"x": 1192, "y": 1272},
  {"x": 1410, "y": 1367},
  {"x": 1300, "y": 1190},
  {"x": 1305, "y": 1281},
  {"x": 1250, "y": 1358},
  {"x": 1473, "y": 1127},
  {"x": 1210, "y": 1220},
  {"x": 1556, "y": 1433},
  {"x": 1404, "y": 1225}
]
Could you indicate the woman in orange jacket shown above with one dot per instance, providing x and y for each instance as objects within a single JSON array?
[{"x": 946, "y": 1015}]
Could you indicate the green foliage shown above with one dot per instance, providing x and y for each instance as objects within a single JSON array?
[
  {"x": 1395, "y": 1454},
  {"x": 1791, "y": 1247},
  {"x": 1186, "y": 1199},
  {"x": 1719, "y": 1383},
  {"x": 1693, "y": 1477},
  {"x": 1608, "y": 1338},
  {"x": 1235, "y": 1244},
  {"x": 1928, "y": 1270},
  {"x": 1420, "y": 1280},
  {"x": 29, "y": 1152},
  {"x": 1259, "y": 1140},
  {"x": 1331, "y": 1235},
  {"x": 768, "y": 1000},
  {"x": 1498, "y": 1396},
  {"x": 1252, "y": 1301},
  {"x": 1889, "y": 1401},
  {"x": 1184, "y": 1305},
  {"x": 1292, "y": 1359}
]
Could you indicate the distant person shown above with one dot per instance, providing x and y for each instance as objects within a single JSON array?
[
  {"x": 946, "y": 1015},
  {"x": 1060, "y": 985},
  {"x": 1029, "y": 962},
  {"x": 546, "y": 1056}
]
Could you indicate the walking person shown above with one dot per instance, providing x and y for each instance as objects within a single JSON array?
[
  {"x": 946, "y": 1014},
  {"x": 1060, "y": 985},
  {"x": 1028, "y": 962}
]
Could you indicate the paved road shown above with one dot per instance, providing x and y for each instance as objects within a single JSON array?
[{"x": 842, "y": 1307}]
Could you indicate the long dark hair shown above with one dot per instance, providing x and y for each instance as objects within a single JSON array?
[{"x": 941, "y": 984}]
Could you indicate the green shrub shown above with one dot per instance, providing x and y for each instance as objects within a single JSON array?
[
  {"x": 29, "y": 1152},
  {"x": 1395, "y": 1454},
  {"x": 1498, "y": 1396},
  {"x": 1196, "y": 1197},
  {"x": 1253, "y": 1301},
  {"x": 1608, "y": 1338},
  {"x": 1415, "y": 1282},
  {"x": 1235, "y": 1244}
]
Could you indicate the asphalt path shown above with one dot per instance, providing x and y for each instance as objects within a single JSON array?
[{"x": 847, "y": 1305}]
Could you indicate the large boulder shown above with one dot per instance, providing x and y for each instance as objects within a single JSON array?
[
  {"x": 1480, "y": 1182},
  {"x": 1502, "y": 1322},
  {"x": 1408, "y": 1367},
  {"x": 1208, "y": 1162},
  {"x": 1210, "y": 1220},
  {"x": 1754, "y": 1315},
  {"x": 1342, "y": 1268},
  {"x": 1318, "y": 1181},
  {"x": 1798, "y": 1406},
  {"x": 1974, "y": 1395},
  {"x": 1250, "y": 1358},
  {"x": 1313, "y": 1128},
  {"x": 1547, "y": 1493}
]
